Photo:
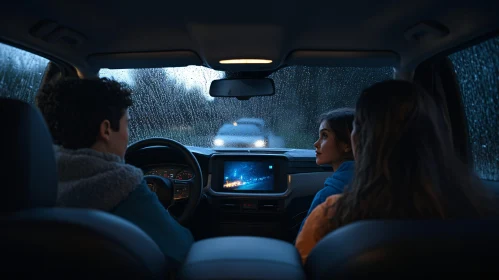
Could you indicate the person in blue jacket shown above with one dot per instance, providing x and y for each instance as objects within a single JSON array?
[
  {"x": 88, "y": 120},
  {"x": 334, "y": 148}
]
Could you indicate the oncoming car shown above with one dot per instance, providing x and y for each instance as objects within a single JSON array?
[
  {"x": 258, "y": 122},
  {"x": 241, "y": 134}
]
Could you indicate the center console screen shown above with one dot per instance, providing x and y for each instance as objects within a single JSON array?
[
  {"x": 234, "y": 175},
  {"x": 248, "y": 176}
]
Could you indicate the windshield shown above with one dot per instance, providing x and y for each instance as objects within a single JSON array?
[{"x": 175, "y": 103}]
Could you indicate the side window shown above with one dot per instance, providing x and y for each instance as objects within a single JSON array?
[
  {"x": 21, "y": 73},
  {"x": 477, "y": 69}
]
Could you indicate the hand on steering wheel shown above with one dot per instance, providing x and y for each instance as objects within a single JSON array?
[{"x": 171, "y": 190}]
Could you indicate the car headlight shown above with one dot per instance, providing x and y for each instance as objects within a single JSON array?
[
  {"x": 218, "y": 142},
  {"x": 259, "y": 143}
]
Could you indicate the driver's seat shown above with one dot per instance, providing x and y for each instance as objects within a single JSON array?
[{"x": 40, "y": 241}]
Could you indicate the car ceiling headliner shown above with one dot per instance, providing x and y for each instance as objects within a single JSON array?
[{"x": 214, "y": 30}]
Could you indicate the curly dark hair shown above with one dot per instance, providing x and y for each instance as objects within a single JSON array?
[{"x": 74, "y": 109}]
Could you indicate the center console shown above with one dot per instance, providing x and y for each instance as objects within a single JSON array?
[
  {"x": 248, "y": 193},
  {"x": 249, "y": 183},
  {"x": 242, "y": 258}
]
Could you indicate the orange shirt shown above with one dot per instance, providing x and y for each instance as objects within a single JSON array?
[{"x": 316, "y": 226}]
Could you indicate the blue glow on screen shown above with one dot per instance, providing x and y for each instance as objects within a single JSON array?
[{"x": 248, "y": 176}]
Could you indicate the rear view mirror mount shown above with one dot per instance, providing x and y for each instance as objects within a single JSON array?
[{"x": 242, "y": 89}]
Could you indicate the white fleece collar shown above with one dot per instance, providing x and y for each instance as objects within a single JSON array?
[{"x": 92, "y": 179}]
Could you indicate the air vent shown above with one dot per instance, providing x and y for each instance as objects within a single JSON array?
[
  {"x": 230, "y": 204},
  {"x": 268, "y": 205},
  {"x": 306, "y": 166}
]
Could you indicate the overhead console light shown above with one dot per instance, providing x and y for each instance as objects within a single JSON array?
[{"x": 245, "y": 61}]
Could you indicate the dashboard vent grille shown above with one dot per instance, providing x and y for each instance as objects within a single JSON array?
[{"x": 268, "y": 205}]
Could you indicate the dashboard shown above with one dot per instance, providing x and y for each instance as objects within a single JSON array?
[{"x": 246, "y": 192}]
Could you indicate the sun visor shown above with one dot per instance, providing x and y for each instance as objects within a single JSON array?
[
  {"x": 144, "y": 60},
  {"x": 344, "y": 58}
]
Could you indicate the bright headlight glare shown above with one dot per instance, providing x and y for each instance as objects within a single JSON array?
[
  {"x": 259, "y": 143},
  {"x": 218, "y": 142}
]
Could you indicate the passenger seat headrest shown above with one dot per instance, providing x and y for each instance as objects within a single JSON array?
[{"x": 28, "y": 174}]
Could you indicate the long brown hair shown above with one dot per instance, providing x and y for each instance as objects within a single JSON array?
[{"x": 405, "y": 164}]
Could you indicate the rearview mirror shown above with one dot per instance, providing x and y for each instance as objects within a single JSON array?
[{"x": 242, "y": 88}]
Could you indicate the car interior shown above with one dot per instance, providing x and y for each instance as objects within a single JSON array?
[{"x": 244, "y": 229}]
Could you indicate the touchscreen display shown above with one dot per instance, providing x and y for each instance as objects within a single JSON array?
[{"x": 248, "y": 176}]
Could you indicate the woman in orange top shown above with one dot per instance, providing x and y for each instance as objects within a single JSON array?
[{"x": 406, "y": 167}]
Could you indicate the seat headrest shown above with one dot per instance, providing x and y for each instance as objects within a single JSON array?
[
  {"x": 27, "y": 163},
  {"x": 392, "y": 248}
]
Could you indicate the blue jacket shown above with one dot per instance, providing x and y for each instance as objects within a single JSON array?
[
  {"x": 334, "y": 184},
  {"x": 143, "y": 208},
  {"x": 91, "y": 179}
]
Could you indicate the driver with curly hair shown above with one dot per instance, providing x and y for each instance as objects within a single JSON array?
[{"x": 88, "y": 120}]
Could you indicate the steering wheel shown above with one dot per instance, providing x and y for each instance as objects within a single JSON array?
[{"x": 169, "y": 190}]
